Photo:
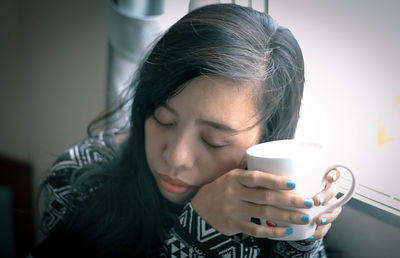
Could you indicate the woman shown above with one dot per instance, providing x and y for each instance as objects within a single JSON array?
[{"x": 220, "y": 80}]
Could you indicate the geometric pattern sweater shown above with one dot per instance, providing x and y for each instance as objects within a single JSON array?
[{"x": 191, "y": 236}]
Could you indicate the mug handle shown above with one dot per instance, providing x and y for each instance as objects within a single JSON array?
[{"x": 346, "y": 197}]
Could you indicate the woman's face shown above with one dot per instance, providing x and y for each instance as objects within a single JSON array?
[{"x": 199, "y": 135}]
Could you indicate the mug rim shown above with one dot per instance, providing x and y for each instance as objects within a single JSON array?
[{"x": 254, "y": 151}]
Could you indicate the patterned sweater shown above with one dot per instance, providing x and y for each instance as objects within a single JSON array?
[{"x": 191, "y": 236}]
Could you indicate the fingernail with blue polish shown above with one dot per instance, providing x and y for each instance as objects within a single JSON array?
[
  {"x": 310, "y": 238},
  {"x": 308, "y": 203},
  {"x": 323, "y": 220},
  {"x": 291, "y": 184},
  {"x": 289, "y": 231},
  {"x": 321, "y": 200},
  {"x": 305, "y": 218}
]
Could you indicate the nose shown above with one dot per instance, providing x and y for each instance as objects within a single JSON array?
[{"x": 179, "y": 153}]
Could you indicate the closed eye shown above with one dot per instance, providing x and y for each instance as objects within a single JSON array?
[
  {"x": 214, "y": 146},
  {"x": 162, "y": 123}
]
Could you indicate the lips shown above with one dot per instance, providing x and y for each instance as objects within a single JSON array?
[{"x": 173, "y": 185}]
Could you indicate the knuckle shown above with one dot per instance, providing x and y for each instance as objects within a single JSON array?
[
  {"x": 226, "y": 208},
  {"x": 276, "y": 184},
  {"x": 293, "y": 201},
  {"x": 225, "y": 192},
  {"x": 259, "y": 231},
  {"x": 265, "y": 211},
  {"x": 237, "y": 171},
  {"x": 274, "y": 232},
  {"x": 292, "y": 217},
  {"x": 230, "y": 223},
  {"x": 229, "y": 190},
  {"x": 322, "y": 231},
  {"x": 232, "y": 175},
  {"x": 268, "y": 197},
  {"x": 256, "y": 231},
  {"x": 317, "y": 235},
  {"x": 250, "y": 177},
  {"x": 328, "y": 227}
]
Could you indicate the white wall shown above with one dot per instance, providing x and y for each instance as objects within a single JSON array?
[
  {"x": 351, "y": 52},
  {"x": 352, "y": 95}
]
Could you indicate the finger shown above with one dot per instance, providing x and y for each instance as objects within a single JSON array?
[
  {"x": 323, "y": 198},
  {"x": 271, "y": 197},
  {"x": 320, "y": 232},
  {"x": 259, "y": 231},
  {"x": 254, "y": 179},
  {"x": 329, "y": 217},
  {"x": 333, "y": 175},
  {"x": 273, "y": 213}
]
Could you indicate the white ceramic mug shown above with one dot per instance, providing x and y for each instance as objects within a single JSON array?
[{"x": 305, "y": 163}]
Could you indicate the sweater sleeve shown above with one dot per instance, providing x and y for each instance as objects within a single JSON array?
[
  {"x": 193, "y": 237},
  {"x": 304, "y": 248}
]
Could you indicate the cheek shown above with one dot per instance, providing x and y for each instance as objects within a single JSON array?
[
  {"x": 231, "y": 160},
  {"x": 237, "y": 158},
  {"x": 152, "y": 141}
]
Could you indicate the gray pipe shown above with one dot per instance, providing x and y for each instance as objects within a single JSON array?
[{"x": 133, "y": 25}]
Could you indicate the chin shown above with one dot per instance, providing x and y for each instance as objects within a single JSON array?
[{"x": 177, "y": 198}]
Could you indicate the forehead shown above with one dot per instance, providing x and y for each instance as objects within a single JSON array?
[{"x": 217, "y": 99}]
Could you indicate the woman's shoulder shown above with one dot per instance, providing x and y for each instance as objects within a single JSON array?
[
  {"x": 61, "y": 193},
  {"x": 91, "y": 150},
  {"x": 97, "y": 148}
]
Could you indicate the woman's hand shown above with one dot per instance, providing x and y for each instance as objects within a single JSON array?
[
  {"x": 324, "y": 220},
  {"x": 229, "y": 202},
  {"x": 324, "y": 223},
  {"x": 323, "y": 197}
]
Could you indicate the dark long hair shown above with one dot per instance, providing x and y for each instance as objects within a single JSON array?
[{"x": 128, "y": 214}]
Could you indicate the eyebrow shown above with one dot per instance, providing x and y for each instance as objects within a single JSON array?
[
  {"x": 215, "y": 125},
  {"x": 218, "y": 126}
]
